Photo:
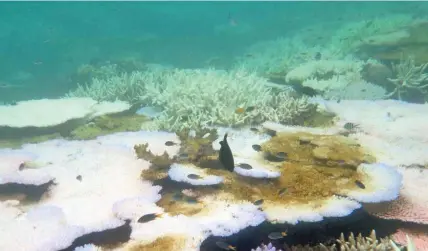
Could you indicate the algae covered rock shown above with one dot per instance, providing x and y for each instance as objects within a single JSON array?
[{"x": 106, "y": 124}]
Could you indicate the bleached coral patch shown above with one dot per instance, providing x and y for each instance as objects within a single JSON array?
[
  {"x": 224, "y": 219},
  {"x": 47, "y": 228},
  {"x": 382, "y": 183},
  {"x": 183, "y": 173},
  {"x": 311, "y": 212},
  {"x": 241, "y": 141},
  {"x": 135, "y": 207},
  {"x": 156, "y": 141},
  {"x": 27, "y": 177},
  {"x": 394, "y": 131},
  {"x": 258, "y": 169}
]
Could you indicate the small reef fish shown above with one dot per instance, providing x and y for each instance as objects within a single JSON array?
[
  {"x": 350, "y": 126},
  {"x": 241, "y": 110},
  {"x": 79, "y": 177},
  {"x": 308, "y": 91},
  {"x": 277, "y": 157},
  {"x": 148, "y": 217},
  {"x": 149, "y": 111},
  {"x": 225, "y": 155},
  {"x": 191, "y": 200},
  {"x": 245, "y": 166},
  {"x": 281, "y": 156},
  {"x": 277, "y": 235},
  {"x": 225, "y": 246},
  {"x": 254, "y": 129},
  {"x": 170, "y": 143},
  {"x": 194, "y": 176},
  {"x": 21, "y": 166},
  {"x": 360, "y": 184},
  {"x": 183, "y": 156},
  {"x": 282, "y": 191},
  {"x": 258, "y": 202},
  {"x": 317, "y": 56},
  {"x": 257, "y": 148}
]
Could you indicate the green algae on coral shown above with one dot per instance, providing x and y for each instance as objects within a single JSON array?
[{"x": 108, "y": 124}]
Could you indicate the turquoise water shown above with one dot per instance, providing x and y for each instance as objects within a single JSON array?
[
  {"x": 246, "y": 70},
  {"x": 42, "y": 43}
]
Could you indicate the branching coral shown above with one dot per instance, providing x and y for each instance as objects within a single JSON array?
[
  {"x": 409, "y": 77},
  {"x": 352, "y": 243},
  {"x": 200, "y": 98}
]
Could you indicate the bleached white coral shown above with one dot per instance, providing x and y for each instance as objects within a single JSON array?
[
  {"x": 268, "y": 247},
  {"x": 326, "y": 74},
  {"x": 44, "y": 112},
  {"x": 408, "y": 77},
  {"x": 181, "y": 173}
]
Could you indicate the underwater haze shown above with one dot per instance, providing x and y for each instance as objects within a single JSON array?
[
  {"x": 208, "y": 126},
  {"x": 43, "y": 43}
]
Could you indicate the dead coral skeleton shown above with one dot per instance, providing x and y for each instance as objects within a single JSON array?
[{"x": 409, "y": 76}]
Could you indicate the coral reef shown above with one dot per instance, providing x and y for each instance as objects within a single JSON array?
[
  {"x": 310, "y": 158},
  {"x": 234, "y": 98},
  {"x": 392, "y": 44},
  {"x": 409, "y": 77},
  {"x": 325, "y": 75},
  {"x": 29, "y": 119},
  {"x": 108, "y": 124},
  {"x": 344, "y": 244}
]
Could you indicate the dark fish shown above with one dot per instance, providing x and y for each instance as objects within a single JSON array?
[
  {"x": 21, "y": 166},
  {"x": 79, "y": 177},
  {"x": 304, "y": 141},
  {"x": 170, "y": 143},
  {"x": 253, "y": 129},
  {"x": 308, "y": 91},
  {"x": 304, "y": 89},
  {"x": 350, "y": 126},
  {"x": 277, "y": 235},
  {"x": 257, "y": 148},
  {"x": 258, "y": 202},
  {"x": 183, "y": 156},
  {"x": 282, "y": 191},
  {"x": 338, "y": 100},
  {"x": 177, "y": 196},
  {"x": 191, "y": 200},
  {"x": 225, "y": 155},
  {"x": 360, "y": 184},
  {"x": 250, "y": 109},
  {"x": 281, "y": 155},
  {"x": 317, "y": 56},
  {"x": 225, "y": 246},
  {"x": 277, "y": 157},
  {"x": 245, "y": 166},
  {"x": 194, "y": 176},
  {"x": 147, "y": 217}
]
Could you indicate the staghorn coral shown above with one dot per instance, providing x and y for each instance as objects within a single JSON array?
[
  {"x": 178, "y": 93},
  {"x": 408, "y": 77},
  {"x": 352, "y": 243}
]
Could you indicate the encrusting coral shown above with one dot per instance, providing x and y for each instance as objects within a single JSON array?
[{"x": 333, "y": 165}]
